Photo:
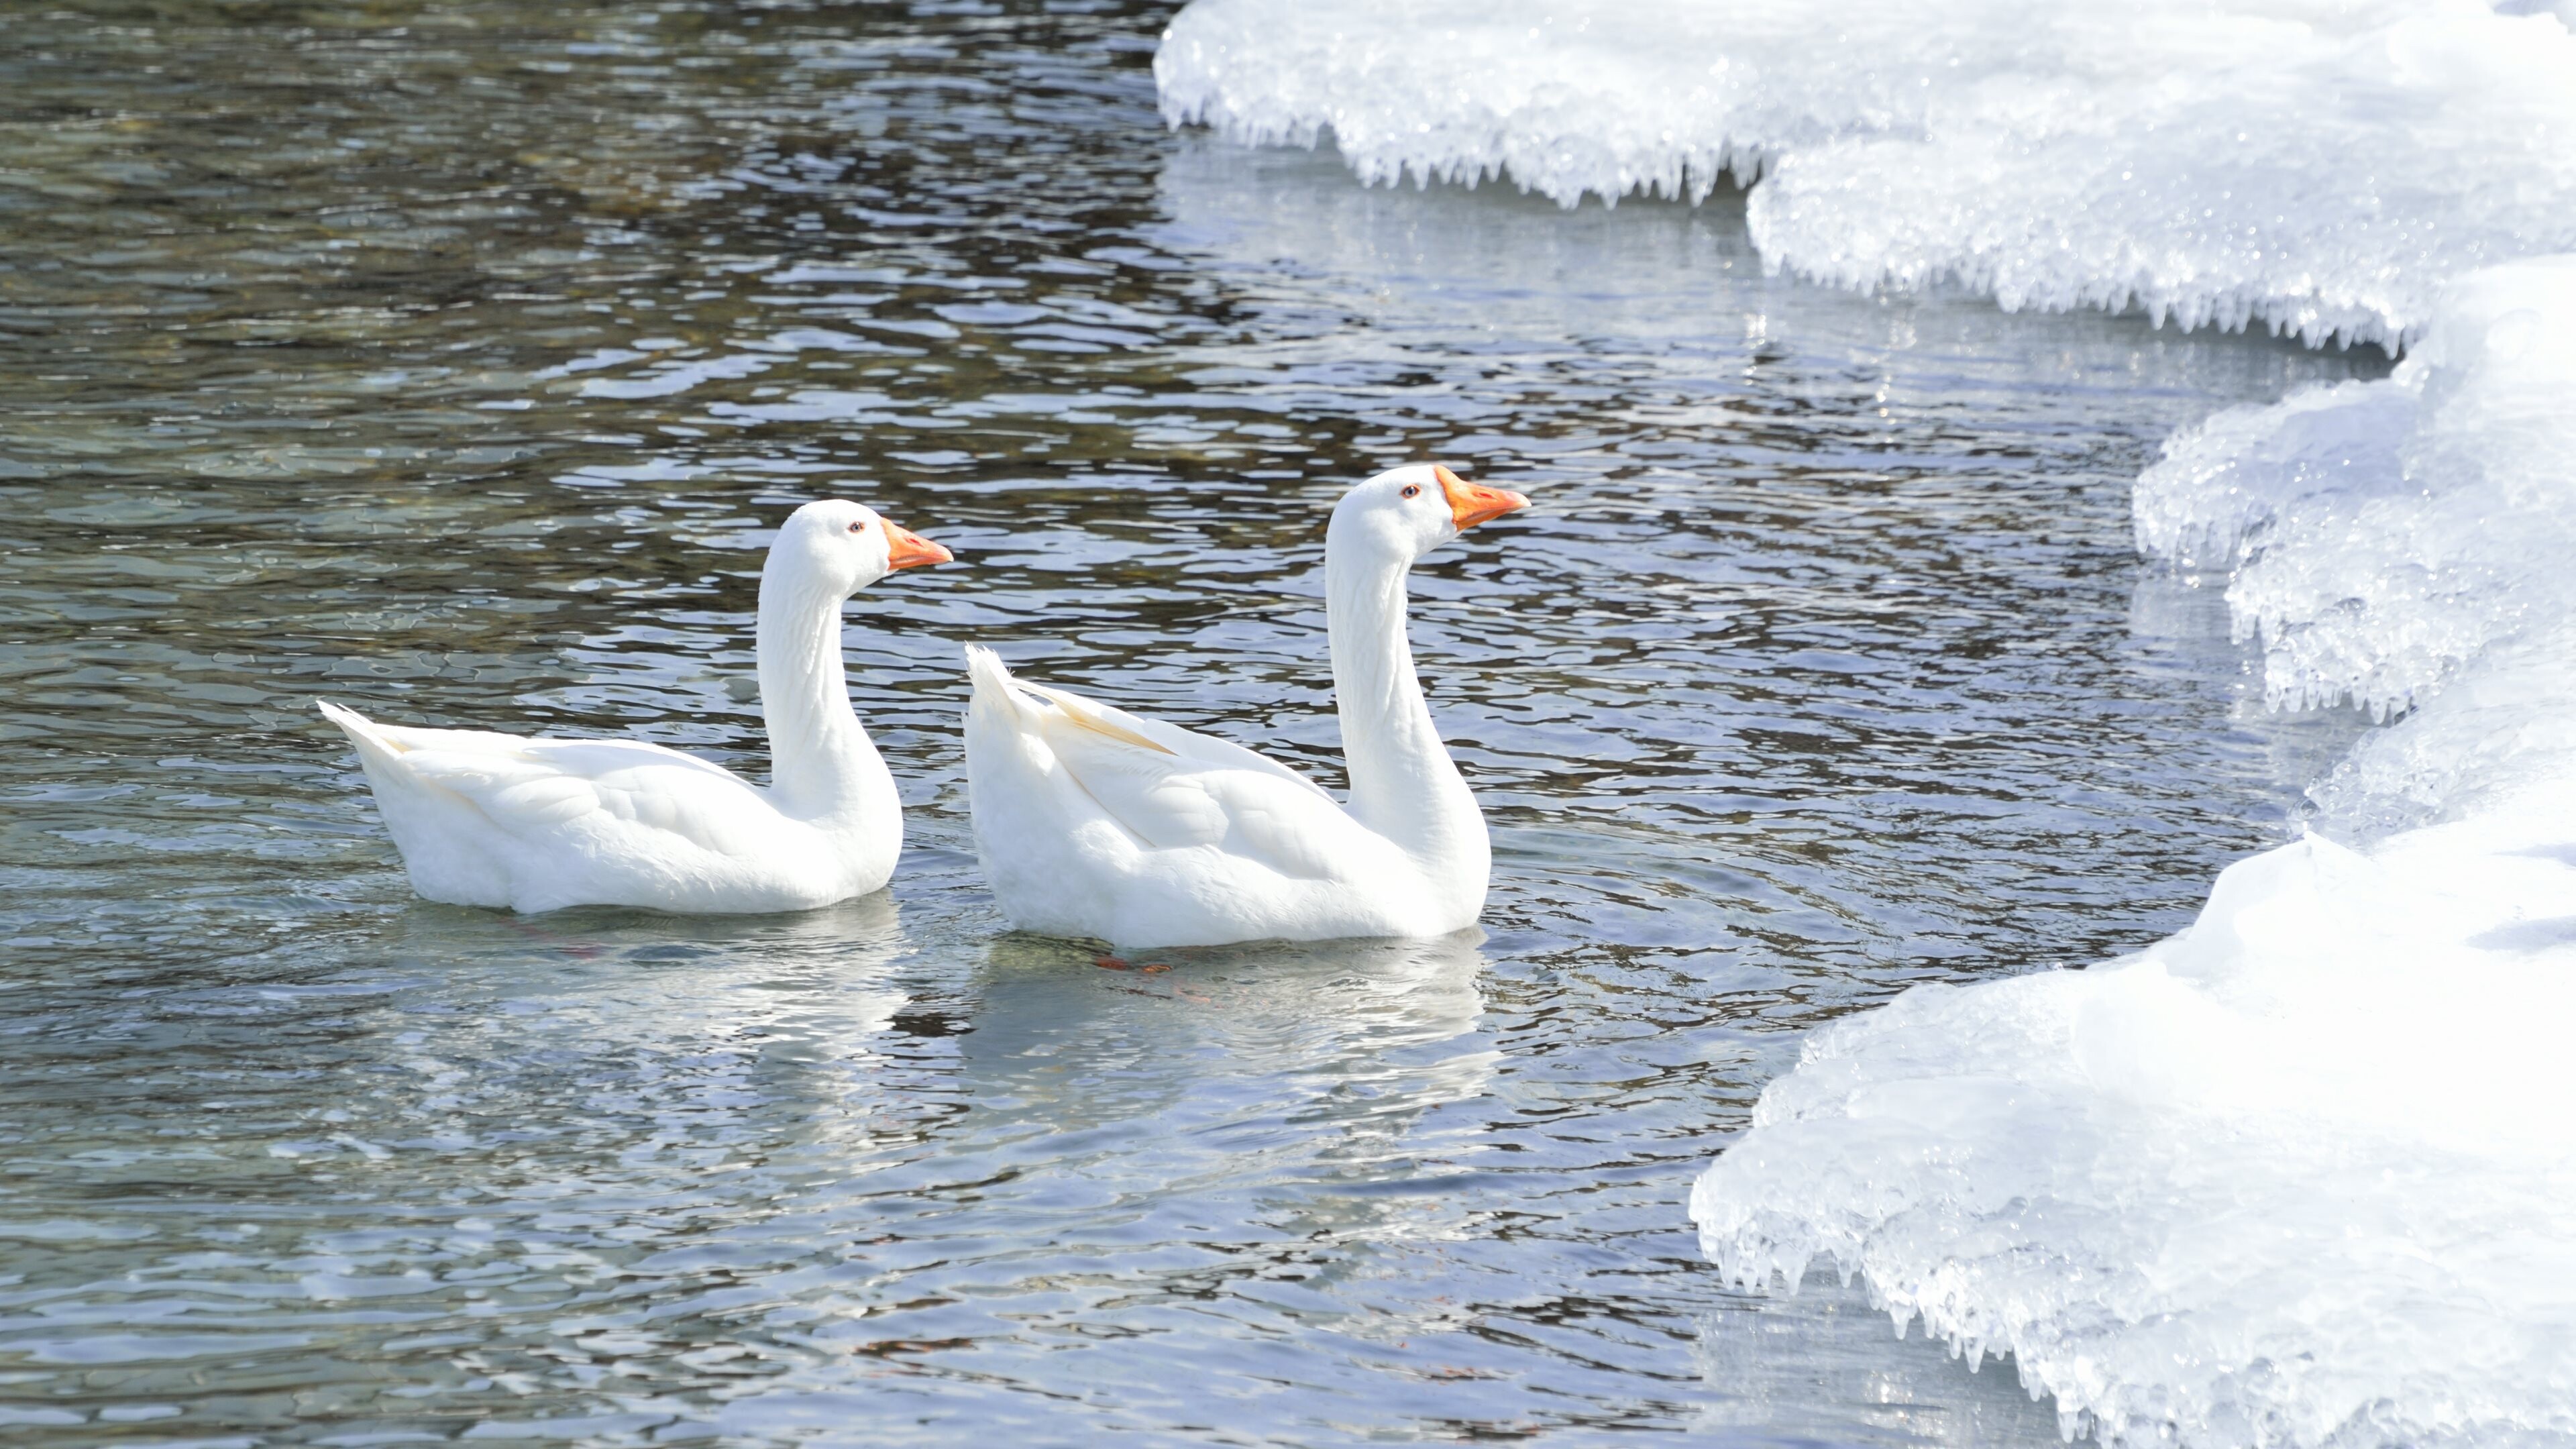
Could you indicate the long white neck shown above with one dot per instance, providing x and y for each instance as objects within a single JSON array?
[
  {"x": 1403, "y": 785},
  {"x": 823, "y": 768}
]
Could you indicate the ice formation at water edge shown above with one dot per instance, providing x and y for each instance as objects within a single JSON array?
[
  {"x": 2304, "y": 1174},
  {"x": 2320, "y": 166}
]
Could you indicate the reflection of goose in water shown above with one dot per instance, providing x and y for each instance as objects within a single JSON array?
[
  {"x": 1297, "y": 1078},
  {"x": 498, "y": 1133},
  {"x": 642, "y": 1038}
]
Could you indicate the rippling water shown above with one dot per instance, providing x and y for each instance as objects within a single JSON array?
[{"x": 454, "y": 359}]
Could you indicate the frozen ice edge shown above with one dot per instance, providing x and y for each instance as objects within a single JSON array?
[
  {"x": 2303, "y": 1174},
  {"x": 2317, "y": 167}
]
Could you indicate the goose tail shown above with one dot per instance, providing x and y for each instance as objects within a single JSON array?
[
  {"x": 370, "y": 739},
  {"x": 987, "y": 670},
  {"x": 359, "y": 728},
  {"x": 994, "y": 687}
]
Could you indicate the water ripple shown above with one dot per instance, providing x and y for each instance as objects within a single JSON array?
[{"x": 454, "y": 359}]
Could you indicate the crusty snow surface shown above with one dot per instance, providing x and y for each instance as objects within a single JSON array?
[
  {"x": 2304, "y": 1174},
  {"x": 2320, "y": 167}
]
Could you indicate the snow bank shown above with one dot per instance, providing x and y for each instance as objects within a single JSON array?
[
  {"x": 2304, "y": 1174},
  {"x": 2383, "y": 534},
  {"x": 2320, "y": 167}
]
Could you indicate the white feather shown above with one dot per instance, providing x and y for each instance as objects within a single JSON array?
[
  {"x": 488, "y": 819},
  {"x": 1093, "y": 822}
]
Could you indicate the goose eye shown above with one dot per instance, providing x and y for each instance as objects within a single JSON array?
[
  {"x": 1412, "y": 490},
  {"x": 855, "y": 527}
]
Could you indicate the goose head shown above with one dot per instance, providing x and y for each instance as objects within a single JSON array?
[
  {"x": 844, "y": 547},
  {"x": 1405, "y": 513}
]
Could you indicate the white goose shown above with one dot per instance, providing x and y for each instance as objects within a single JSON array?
[
  {"x": 1095, "y": 823},
  {"x": 536, "y": 824}
]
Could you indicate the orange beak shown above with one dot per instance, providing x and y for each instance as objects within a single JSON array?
[
  {"x": 1474, "y": 503},
  {"x": 906, "y": 549}
]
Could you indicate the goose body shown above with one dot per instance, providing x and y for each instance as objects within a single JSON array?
[
  {"x": 486, "y": 819},
  {"x": 1093, "y": 822}
]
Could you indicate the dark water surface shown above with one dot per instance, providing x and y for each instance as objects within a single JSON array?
[{"x": 455, "y": 359}]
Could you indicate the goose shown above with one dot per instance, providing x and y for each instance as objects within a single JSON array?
[
  {"x": 499, "y": 820},
  {"x": 1095, "y": 823}
]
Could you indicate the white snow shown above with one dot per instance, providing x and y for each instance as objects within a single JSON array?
[
  {"x": 2322, "y": 166},
  {"x": 2305, "y": 1174}
]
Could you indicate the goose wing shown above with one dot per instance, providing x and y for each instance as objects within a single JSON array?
[
  {"x": 531, "y": 787},
  {"x": 1169, "y": 788}
]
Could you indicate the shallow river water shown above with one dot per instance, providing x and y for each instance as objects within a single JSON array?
[{"x": 454, "y": 360}]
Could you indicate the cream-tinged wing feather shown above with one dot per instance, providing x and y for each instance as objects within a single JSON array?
[{"x": 1169, "y": 788}]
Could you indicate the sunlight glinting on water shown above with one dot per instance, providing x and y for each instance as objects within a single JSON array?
[{"x": 455, "y": 360}]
